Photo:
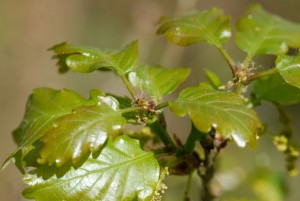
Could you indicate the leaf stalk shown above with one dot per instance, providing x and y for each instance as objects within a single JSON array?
[
  {"x": 128, "y": 86},
  {"x": 162, "y": 105},
  {"x": 262, "y": 74},
  {"x": 229, "y": 60},
  {"x": 159, "y": 127},
  {"x": 248, "y": 59},
  {"x": 188, "y": 187}
]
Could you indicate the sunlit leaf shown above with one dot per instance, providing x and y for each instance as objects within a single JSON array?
[
  {"x": 87, "y": 59},
  {"x": 158, "y": 81},
  {"x": 84, "y": 130},
  {"x": 273, "y": 88},
  {"x": 45, "y": 106},
  {"x": 210, "y": 26},
  {"x": 123, "y": 171},
  {"x": 80, "y": 59},
  {"x": 260, "y": 32},
  {"x": 289, "y": 69},
  {"x": 224, "y": 111},
  {"x": 126, "y": 60}
]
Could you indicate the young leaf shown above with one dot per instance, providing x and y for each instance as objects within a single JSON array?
[
  {"x": 80, "y": 59},
  {"x": 126, "y": 60},
  {"x": 158, "y": 81},
  {"x": 273, "y": 88},
  {"x": 213, "y": 79},
  {"x": 289, "y": 68},
  {"x": 45, "y": 106},
  {"x": 86, "y": 129},
  {"x": 224, "y": 111},
  {"x": 86, "y": 59},
  {"x": 123, "y": 171},
  {"x": 209, "y": 26},
  {"x": 263, "y": 33}
]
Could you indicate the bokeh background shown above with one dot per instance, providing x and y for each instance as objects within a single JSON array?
[{"x": 29, "y": 27}]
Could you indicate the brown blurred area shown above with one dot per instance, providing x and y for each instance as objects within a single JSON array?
[{"x": 29, "y": 27}]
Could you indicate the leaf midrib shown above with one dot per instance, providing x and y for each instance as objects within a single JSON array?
[{"x": 114, "y": 166}]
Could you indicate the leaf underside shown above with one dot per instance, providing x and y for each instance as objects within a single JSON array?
[
  {"x": 224, "y": 111},
  {"x": 209, "y": 26},
  {"x": 260, "y": 32},
  {"x": 68, "y": 126},
  {"x": 123, "y": 171}
]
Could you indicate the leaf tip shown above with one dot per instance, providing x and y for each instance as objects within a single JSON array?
[{"x": 57, "y": 46}]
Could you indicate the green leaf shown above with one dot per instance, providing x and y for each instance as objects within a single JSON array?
[
  {"x": 123, "y": 171},
  {"x": 260, "y": 32},
  {"x": 289, "y": 69},
  {"x": 86, "y": 59},
  {"x": 273, "y": 88},
  {"x": 213, "y": 79},
  {"x": 45, "y": 106},
  {"x": 86, "y": 129},
  {"x": 225, "y": 111},
  {"x": 209, "y": 26},
  {"x": 126, "y": 60},
  {"x": 158, "y": 81},
  {"x": 124, "y": 101}
]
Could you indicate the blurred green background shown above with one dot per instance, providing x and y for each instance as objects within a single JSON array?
[{"x": 29, "y": 27}]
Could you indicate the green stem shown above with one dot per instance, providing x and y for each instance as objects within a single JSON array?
[
  {"x": 195, "y": 135},
  {"x": 128, "y": 86},
  {"x": 162, "y": 105},
  {"x": 159, "y": 128},
  {"x": 247, "y": 60},
  {"x": 239, "y": 89},
  {"x": 229, "y": 60},
  {"x": 188, "y": 187},
  {"x": 262, "y": 74}
]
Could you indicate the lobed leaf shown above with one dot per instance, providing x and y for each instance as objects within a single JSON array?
[
  {"x": 225, "y": 111},
  {"x": 209, "y": 26},
  {"x": 275, "y": 89},
  {"x": 85, "y": 130},
  {"x": 45, "y": 106},
  {"x": 158, "y": 81},
  {"x": 289, "y": 68},
  {"x": 86, "y": 59},
  {"x": 260, "y": 32},
  {"x": 123, "y": 171}
]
